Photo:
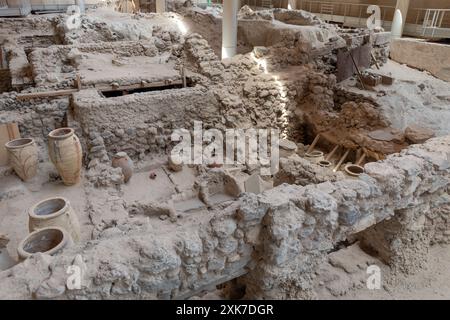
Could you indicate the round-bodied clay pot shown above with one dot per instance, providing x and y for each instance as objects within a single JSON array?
[
  {"x": 123, "y": 161},
  {"x": 324, "y": 163},
  {"x": 64, "y": 149},
  {"x": 50, "y": 240},
  {"x": 353, "y": 170},
  {"x": 54, "y": 212},
  {"x": 315, "y": 156},
  {"x": 23, "y": 157}
]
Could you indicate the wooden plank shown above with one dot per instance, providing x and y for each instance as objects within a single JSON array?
[
  {"x": 358, "y": 72},
  {"x": 8, "y": 132},
  {"x": 183, "y": 77},
  {"x": 33, "y": 95},
  {"x": 155, "y": 84}
]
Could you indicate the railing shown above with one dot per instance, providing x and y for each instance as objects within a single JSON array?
[
  {"x": 251, "y": 3},
  {"x": 59, "y": 6},
  {"x": 21, "y": 9},
  {"x": 345, "y": 11},
  {"x": 420, "y": 22},
  {"x": 434, "y": 20}
]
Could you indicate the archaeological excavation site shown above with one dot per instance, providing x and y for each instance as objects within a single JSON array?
[{"x": 224, "y": 150}]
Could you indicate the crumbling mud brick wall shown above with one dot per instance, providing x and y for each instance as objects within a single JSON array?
[{"x": 274, "y": 240}]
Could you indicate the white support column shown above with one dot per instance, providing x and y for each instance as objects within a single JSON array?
[
  {"x": 80, "y": 3},
  {"x": 398, "y": 24},
  {"x": 160, "y": 6},
  {"x": 292, "y": 4},
  {"x": 229, "y": 28}
]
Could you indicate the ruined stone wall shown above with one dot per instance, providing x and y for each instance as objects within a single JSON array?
[
  {"x": 33, "y": 25},
  {"x": 57, "y": 66},
  {"x": 18, "y": 66},
  {"x": 147, "y": 121},
  {"x": 35, "y": 118},
  {"x": 305, "y": 222},
  {"x": 230, "y": 94},
  {"x": 277, "y": 238}
]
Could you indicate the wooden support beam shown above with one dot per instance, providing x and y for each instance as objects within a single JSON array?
[
  {"x": 328, "y": 157},
  {"x": 33, "y": 95},
  {"x": 102, "y": 87},
  {"x": 361, "y": 159},
  {"x": 375, "y": 59},
  {"x": 183, "y": 77},
  {"x": 313, "y": 144},
  {"x": 357, "y": 70},
  {"x": 342, "y": 160},
  {"x": 78, "y": 81}
]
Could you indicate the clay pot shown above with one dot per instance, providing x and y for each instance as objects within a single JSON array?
[
  {"x": 64, "y": 149},
  {"x": 23, "y": 157},
  {"x": 324, "y": 163},
  {"x": 54, "y": 212},
  {"x": 353, "y": 170},
  {"x": 50, "y": 240},
  {"x": 315, "y": 156},
  {"x": 123, "y": 161}
]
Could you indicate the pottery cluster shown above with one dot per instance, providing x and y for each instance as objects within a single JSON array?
[
  {"x": 64, "y": 149},
  {"x": 53, "y": 226},
  {"x": 317, "y": 157}
]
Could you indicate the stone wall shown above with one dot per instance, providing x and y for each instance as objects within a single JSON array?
[
  {"x": 35, "y": 118},
  {"x": 33, "y": 25},
  {"x": 305, "y": 223},
  {"x": 432, "y": 57},
  {"x": 147, "y": 121},
  {"x": 277, "y": 239},
  {"x": 57, "y": 66}
]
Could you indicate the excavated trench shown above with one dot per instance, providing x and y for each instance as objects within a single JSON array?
[{"x": 177, "y": 233}]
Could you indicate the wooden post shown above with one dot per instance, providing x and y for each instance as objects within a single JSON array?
[
  {"x": 357, "y": 69},
  {"x": 342, "y": 160},
  {"x": 361, "y": 159},
  {"x": 33, "y": 95},
  {"x": 183, "y": 76},
  {"x": 328, "y": 157},
  {"x": 375, "y": 59},
  {"x": 78, "y": 81},
  {"x": 313, "y": 144}
]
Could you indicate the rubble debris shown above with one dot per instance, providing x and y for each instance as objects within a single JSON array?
[{"x": 417, "y": 134}]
